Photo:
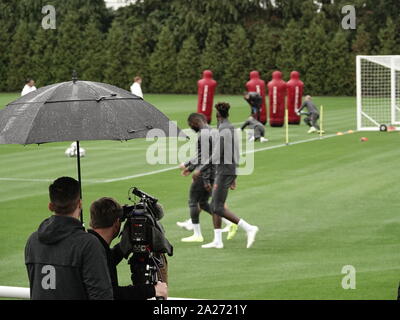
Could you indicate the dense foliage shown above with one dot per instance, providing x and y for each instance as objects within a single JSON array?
[{"x": 170, "y": 42}]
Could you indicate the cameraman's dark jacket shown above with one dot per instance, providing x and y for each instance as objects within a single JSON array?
[
  {"x": 114, "y": 257},
  {"x": 66, "y": 263}
]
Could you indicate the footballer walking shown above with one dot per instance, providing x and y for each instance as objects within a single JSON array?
[
  {"x": 201, "y": 187},
  {"x": 225, "y": 156}
]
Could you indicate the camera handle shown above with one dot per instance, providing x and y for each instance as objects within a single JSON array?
[{"x": 156, "y": 273}]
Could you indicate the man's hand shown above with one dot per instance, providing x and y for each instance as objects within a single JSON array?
[
  {"x": 185, "y": 172},
  {"x": 182, "y": 166},
  {"x": 208, "y": 187},
  {"x": 161, "y": 290},
  {"x": 233, "y": 185},
  {"x": 196, "y": 174}
]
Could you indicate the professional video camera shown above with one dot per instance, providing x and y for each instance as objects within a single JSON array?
[{"x": 143, "y": 237}]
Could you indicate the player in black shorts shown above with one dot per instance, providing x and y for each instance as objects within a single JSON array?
[
  {"x": 225, "y": 157},
  {"x": 200, "y": 189}
]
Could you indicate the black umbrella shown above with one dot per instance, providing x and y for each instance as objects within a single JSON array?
[{"x": 80, "y": 111}]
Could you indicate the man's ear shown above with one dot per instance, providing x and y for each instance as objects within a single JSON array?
[
  {"x": 51, "y": 207},
  {"x": 117, "y": 228}
]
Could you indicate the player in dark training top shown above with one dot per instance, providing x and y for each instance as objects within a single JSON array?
[{"x": 225, "y": 156}]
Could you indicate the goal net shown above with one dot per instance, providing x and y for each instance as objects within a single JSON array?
[{"x": 378, "y": 92}]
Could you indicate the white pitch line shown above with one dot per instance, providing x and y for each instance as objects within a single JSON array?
[
  {"x": 292, "y": 143},
  {"x": 139, "y": 175},
  {"x": 136, "y": 175}
]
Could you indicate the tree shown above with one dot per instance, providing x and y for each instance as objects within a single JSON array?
[
  {"x": 288, "y": 10},
  {"x": 43, "y": 46},
  {"x": 388, "y": 44},
  {"x": 290, "y": 56},
  {"x": 31, "y": 10},
  {"x": 265, "y": 51},
  {"x": 340, "y": 74},
  {"x": 188, "y": 66},
  {"x": 237, "y": 62},
  {"x": 314, "y": 55},
  {"x": 163, "y": 63},
  {"x": 69, "y": 50},
  {"x": 116, "y": 56},
  {"x": 195, "y": 17},
  {"x": 233, "y": 37},
  {"x": 20, "y": 63},
  {"x": 138, "y": 56},
  {"x": 93, "y": 61},
  {"x": 362, "y": 43},
  {"x": 213, "y": 56},
  {"x": 308, "y": 12},
  {"x": 7, "y": 24}
]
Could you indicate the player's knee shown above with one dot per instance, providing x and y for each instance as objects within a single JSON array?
[
  {"x": 204, "y": 205},
  {"x": 192, "y": 203},
  {"x": 218, "y": 209}
]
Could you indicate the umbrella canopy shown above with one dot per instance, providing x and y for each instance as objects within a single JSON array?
[{"x": 79, "y": 111}]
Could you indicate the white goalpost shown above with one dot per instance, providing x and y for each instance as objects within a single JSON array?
[{"x": 378, "y": 92}]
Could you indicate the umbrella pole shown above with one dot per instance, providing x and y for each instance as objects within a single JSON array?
[{"x": 79, "y": 174}]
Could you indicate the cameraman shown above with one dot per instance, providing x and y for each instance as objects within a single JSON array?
[
  {"x": 105, "y": 214},
  {"x": 63, "y": 261}
]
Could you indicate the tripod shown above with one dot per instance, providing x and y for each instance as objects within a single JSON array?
[{"x": 147, "y": 268}]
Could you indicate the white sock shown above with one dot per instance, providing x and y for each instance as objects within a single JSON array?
[
  {"x": 244, "y": 225},
  {"x": 197, "y": 230},
  {"x": 226, "y": 221},
  {"x": 218, "y": 236}
]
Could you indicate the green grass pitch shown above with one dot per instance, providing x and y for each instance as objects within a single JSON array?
[{"x": 320, "y": 205}]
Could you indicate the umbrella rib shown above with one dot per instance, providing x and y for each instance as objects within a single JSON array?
[
  {"x": 77, "y": 100},
  {"x": 105, "y": 100}
]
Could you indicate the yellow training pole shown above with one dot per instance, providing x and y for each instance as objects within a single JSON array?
[
  {"x": 287, "y": 125},
  {"x": 321, "y": 122}
]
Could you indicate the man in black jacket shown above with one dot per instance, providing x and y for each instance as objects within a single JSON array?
[
  {"x": 63, "y": 261},
  {"x": 105, "y": 214}
]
